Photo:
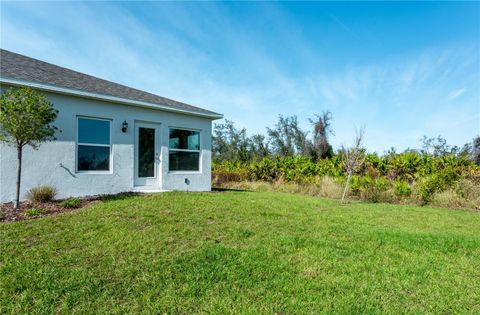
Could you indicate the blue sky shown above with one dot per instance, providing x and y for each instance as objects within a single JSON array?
[{"x": 403, "y": 70}]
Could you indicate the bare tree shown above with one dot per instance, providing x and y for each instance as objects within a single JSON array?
[{"x": 354, "y": 157}]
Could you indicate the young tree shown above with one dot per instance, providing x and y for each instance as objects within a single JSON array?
[
  {"x": 354, "y": 157},
  {"x": 26, "y": 118}
]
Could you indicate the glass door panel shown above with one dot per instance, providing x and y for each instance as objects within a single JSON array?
[{"x": 146, "y": 152}]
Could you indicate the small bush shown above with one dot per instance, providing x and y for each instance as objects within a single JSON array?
[
  {"x": 71, "y": 203},
  {"x": 372, "y": 189},
  {"x": 42, "y": 193},
  {"x": 402, "y": 189},
  {"x": 2, "y": 215},
  {"x": 355, "y": 185},
  {"x": 33, "y": 212},
  {"x": 428, "y": 186}
]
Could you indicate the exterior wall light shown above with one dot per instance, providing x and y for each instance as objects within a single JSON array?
[{"x": 124, "y": 126}]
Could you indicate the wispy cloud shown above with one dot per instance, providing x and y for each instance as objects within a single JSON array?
[
  {"x": 398, "y": 98},
  {"x": 344, "y": 26},
  {"x": 403, "y": 98},
  {"x": 456, "y": 93}
]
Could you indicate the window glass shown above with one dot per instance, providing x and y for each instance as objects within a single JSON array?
[
  {"x": 93, "y": 158},
  {"x": 194, "y": 141},
  {"x": 184, "y": 161},
  {"x": 93, "y": 144},
  {"x": 93, "y": 131},
  {"x": 146, "y": 152},
  {"x": 184, "y": 139}
]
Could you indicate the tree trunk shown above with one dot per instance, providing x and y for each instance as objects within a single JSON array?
[
  {"x": 346, "y": 186},
  {"x": 19, "y": 175}
]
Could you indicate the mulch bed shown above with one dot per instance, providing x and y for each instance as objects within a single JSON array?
[{"x": 9, "y": 213}]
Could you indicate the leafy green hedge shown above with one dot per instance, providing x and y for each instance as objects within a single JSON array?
[{"x": 398, "y": 172}]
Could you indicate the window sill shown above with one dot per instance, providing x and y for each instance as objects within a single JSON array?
[
  {"x": 185, "y": 172},
  {"x": 95, "y": 172}
]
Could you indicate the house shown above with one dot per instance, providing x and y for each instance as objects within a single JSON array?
[{"x": 113, "y": 138}]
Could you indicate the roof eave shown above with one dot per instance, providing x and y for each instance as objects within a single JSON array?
[{"x": 103, "y": 97}]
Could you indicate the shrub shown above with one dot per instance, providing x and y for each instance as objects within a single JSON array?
[
  {"x": 71, "y": 203},
  {"x": 2, "y": 215},
  {"x": 369, "y": 188},
  {"x": 42, "y": 193},
  {"x": 402, "y": 189},
  {"x": 355, "y": 185},
  {"x": 372, "y": 189},
  {"x": 405, "y": 165},
  {"x": 472, "y": 173},
  {"x": 405, "y": 177},
  {"x": 427, "y": 187},
  {"x": 228, "y": 172},
  {"x": 34, "y": 212}
]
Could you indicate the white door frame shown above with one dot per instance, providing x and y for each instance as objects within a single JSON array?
[{"x": 148, "y": 182}]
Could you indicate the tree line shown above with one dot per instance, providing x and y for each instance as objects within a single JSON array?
[{"x": 287, "y": 138}]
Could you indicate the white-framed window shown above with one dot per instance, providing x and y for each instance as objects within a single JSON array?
[
  {"x": 93, "y": 144},
  {"x": 184, "y": 150}
]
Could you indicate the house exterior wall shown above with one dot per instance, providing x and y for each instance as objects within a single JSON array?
[{"x": 54, "y": 163}]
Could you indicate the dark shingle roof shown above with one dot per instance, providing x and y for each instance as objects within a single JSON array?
[{"x": 20, "y": 67}]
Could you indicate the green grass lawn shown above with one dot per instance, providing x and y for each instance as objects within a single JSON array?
[{"x": 242, "y": 252}]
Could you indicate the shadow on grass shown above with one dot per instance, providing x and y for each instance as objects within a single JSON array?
[
  {"x": 119, "y": 196},
  {"x": 218, "y": 189},
  {"x": 127, "y": 195}
]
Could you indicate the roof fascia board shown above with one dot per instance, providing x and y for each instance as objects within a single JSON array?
[{"x": 67, "y": 91}]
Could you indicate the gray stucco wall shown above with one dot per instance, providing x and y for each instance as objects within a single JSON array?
[{"x": 54, "y": 162}]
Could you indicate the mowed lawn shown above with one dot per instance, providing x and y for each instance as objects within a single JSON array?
[{"x": 242, "y": 252}]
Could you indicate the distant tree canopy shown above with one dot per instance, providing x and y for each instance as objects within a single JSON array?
[
  {"x": 286, "y": 138},
  {"x": 438, "y": 147}
]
